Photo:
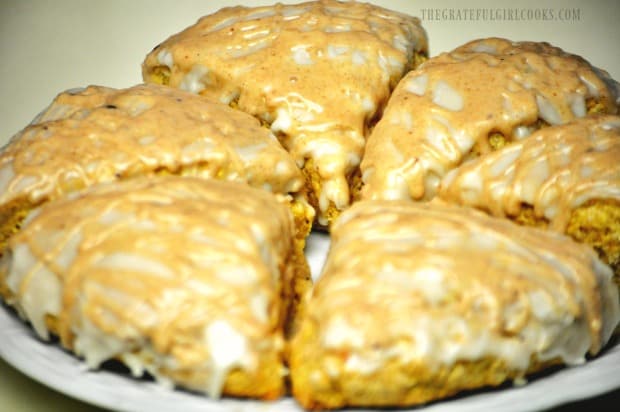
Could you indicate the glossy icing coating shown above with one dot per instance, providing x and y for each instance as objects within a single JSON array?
[
  {"x": 555, "y": 170},
  {"x": 177, "y": 276},
  {"x": 447, "y": 110},
  {"x": 318, "y": 73},
  {"x": 446, "y": 284},
  {"x": 99, "y": 134}
]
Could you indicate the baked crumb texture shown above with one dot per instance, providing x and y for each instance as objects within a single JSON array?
[
  {"x": 464, "y": 104},
  {"x": 318, "y": 74},
  {"x": 459, "y": 300},
  {"x": 564, "y": 178},
  {"x": 98, "y": 134},
  {"x": 186, "y": 279}
]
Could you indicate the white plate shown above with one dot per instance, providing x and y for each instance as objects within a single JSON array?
[{"x": 56, "y": 368}]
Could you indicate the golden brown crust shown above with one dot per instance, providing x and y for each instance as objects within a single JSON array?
[
  {"x": 395, "y": 384},
  {"x": 597, "y": 223},
  {"x": 11, "y": 216}
]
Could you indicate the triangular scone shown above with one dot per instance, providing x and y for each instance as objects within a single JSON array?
[
  {"x": 471, "y": 101},
  {"x": 318, "y": 73},
  {"x": 99, "y": 134},
  {"x": 187, "y": 279},
  {"x": 565, "y": 178},
  {"x": 419, "y": 301}
]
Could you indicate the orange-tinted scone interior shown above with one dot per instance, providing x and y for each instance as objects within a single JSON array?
[
  {"x": 189, "y": 280},
  {"x": 417, "y": 302}
]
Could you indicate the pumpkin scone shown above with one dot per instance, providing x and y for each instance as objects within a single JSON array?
[
  {"x": 100, "y": 134},
  {"x": 188, "y": 279},
  {"x": 564, "y": 178},
  {"x": 420, "y": 301},
  {"x": 471, "y": 101},
  {"x": 317, "y": 73}
]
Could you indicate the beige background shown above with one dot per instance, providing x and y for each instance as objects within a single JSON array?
[{"x": 49, "y": 46}]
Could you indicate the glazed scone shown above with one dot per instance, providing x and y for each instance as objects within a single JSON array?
[
  {"x": 99, "y": 134},
  {"x": 471, "y": 101},
  {"x": 317, "y": 73},
  {"x": 187, "y": 279},
  {"x": 565, "y": 178},
  {"x": 419, "y": 301}
]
